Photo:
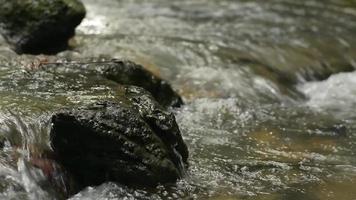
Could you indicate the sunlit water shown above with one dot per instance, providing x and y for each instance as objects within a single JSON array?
[{"x": 268, "y": 114}]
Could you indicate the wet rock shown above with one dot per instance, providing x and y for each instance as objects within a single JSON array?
[
  {"x": 39, "y": 26},
  {"x": 101, "y": 130},
  {"x": 133, "y": 142},
  {"x": 124, "y": 73},
  {"x": 129, "y": 73},
  {"x": 161, "y": 121}
]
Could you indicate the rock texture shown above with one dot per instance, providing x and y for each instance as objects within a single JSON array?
[
  {"x": 129, "y": 73},
  {"x": 102, "y": 125},
  {"x": 39, "y": 26},
  {"x": 134, "y": 142},
  {"x": 124, "y": 73}
]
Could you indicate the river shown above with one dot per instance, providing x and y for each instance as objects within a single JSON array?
[{"x": 269, "y": 93}]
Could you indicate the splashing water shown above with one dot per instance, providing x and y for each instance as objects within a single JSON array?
[{"x": 268, "y": 114}]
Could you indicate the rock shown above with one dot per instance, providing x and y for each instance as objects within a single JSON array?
[
  {"x": 90, "y": 129},
  {"x": 133, "y": 142},
  {"x": 129, "y": 73},
  {"x": 124, "y": 73},
  {"x": 163, "y": 122},
  {"x": 39, "y": 26}
]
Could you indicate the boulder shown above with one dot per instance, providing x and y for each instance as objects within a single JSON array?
[
  {"x": 129, "y": 73},
  {"x": 134, "y": 142},
  {"x": 122, "y": 72},
  {"x": 100, "y": 128},
  {"x": 39, "y": 26},
  {"x": 161, "y": 121}
]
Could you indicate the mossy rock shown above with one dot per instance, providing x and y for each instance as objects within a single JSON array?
[{"x": 39, "y": 26}]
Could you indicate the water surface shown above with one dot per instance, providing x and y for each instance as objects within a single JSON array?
[{"x": 268, "y": 86}]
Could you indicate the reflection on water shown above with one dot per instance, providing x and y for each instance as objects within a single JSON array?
[{"x": 265, "y": 118}]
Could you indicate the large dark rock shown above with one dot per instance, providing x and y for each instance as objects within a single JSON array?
[
  {"x": 124, "y": 73},
  {"x": 39, "y": 26},
  {"x": 129, "y": 73},
  {"x": 161, "y": 121},
  {"x": 133, "y": 141},
  {"x": 101, "y": 129}
]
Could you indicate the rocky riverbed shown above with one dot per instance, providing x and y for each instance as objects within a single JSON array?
[{"x": 268, "y": 91}]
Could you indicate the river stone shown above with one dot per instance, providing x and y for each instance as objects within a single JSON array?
[
  {"x": 100, "y": 128},
  {"x": 161, "y": 121},
  {"x": 129, "y": 73},
  {"x": 125, "y": 73},
  {"x": 133, "y": 142},
  {"x": 39, "y": 26}
]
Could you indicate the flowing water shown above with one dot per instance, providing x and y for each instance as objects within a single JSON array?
[{"x": 268, "y": 86}]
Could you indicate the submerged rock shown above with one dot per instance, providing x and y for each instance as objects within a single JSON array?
[
  {"x": 134, "y": 142},
  {"x": 39, "y": 26}
]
